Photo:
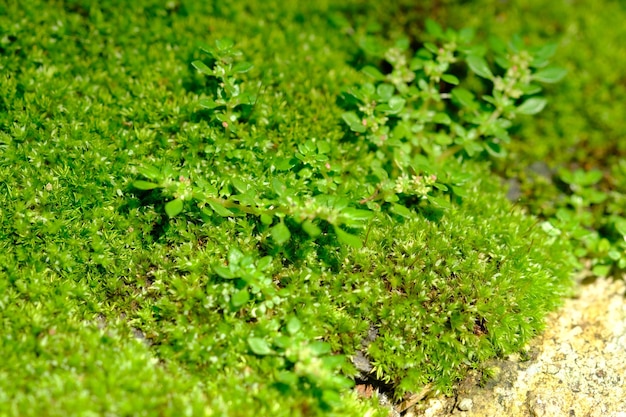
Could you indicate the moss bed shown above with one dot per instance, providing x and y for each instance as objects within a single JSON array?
[{"x": 202, "y": 213}]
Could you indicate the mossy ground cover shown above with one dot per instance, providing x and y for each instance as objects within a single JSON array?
[
  {"x": 176, "y": 241},
  {"x": 568, "y": 165}
]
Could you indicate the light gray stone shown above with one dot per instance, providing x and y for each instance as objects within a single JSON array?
[{"x": 465, "y": 404}]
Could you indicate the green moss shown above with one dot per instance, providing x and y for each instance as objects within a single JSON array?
[{"x": 112, "y": 302}]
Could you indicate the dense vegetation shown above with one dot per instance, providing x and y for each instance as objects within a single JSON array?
[{"x": 237, "y": 208}]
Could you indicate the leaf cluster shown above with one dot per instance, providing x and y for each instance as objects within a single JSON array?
[{"x": 580, "y": 133}]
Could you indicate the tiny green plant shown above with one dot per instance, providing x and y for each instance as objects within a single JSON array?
[
  {"x": 600, "y": 239},
  {"x": 230, "y": 103},
  {"x": 300, "y": 362},
  {"x": 421, "y": 107}
]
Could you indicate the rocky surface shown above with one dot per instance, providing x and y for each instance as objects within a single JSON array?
[{"x": 576, "y": 368}]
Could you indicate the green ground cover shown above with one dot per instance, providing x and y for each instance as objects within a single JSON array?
[{"x": 238, "y": 208}]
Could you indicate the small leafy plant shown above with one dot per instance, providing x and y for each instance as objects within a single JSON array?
[
  {"x": 421, "y": 107},
  {"x": 599, "y": 239},
  {"x": 300, "y": 362},
  {"x": 231, "y": 104},
  {"x": 411, "y": 125}
]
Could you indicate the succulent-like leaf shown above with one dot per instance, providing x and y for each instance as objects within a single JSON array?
[
  {"x": 532, "y": 106},
  {"x": 550, "y": 75},
  {"x": 280, "y": 233},
  {"x": 145, "y": 185},
  {"x": 348, "y": 239},
  {"x": 240, "y": 298},
  {"x": 479, "y": 66},
  {"x": 174, "y": 207},
  {"x": 259, "y": 346},
  {"x": 202, "y": 67}
]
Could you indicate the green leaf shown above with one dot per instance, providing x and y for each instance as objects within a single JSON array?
[
  {"x": 208, "y": 103},
  {"x": 459, "y": 190},
  {"x": 150, "y": 172},
  {"x": 288, "y": 378},
  {"x": 259, "y": 346},
  {"x": 319, "y": 348},
  {"x": 323, "y": 147},
  {"x": 220, "y": 209},
  {"x": 431, "y": 47},
  {"x": 450, "y": 79},
  {"x": 145, "y": 185},
  {"x": 502, "y": 62},
  {"x": 235, "y": 256},
  {"x": 532, "y": 106},
  {"x": 373, "y": 46},
  {"x": 479, "y": 66},
  {"x": 442, "y": 118},
  {"x": 311, "y": 228},
  {"x": 463, "y": 97},
  {"x": 264, "y": 263},
  {"x": 239, "y": 185},
  {"x": 174, "y": 207},
  {"x": 202, "y": 67},
  {"x": 279, "y": 187},
  {"x": 385, "y": 91},
  {"x": 494, "y": 149},
  {"x": 498, "y": 46},
  {"x": 396, "y": 104},
  {"x": 207, "y": 48},
  {"x": 348, "y": 239},
  {"x": 242, "y": 67},
  {"x": 293, "y": 325},
  {"x": 434, "y": 29},
  {"x": 280, "y": 233},
  {"x": 620, "y": 225},
  {"x": 223, "y": 44},
  {"x": 440, "y": 186},
  {"x": 466, "y": 35},
  {"x": 591, "y": 177},
  {"x": 601, "y": 270},
  {"x": 331, "y": 397},
  {"x": 224, "y": 272},
  {"x": 373, "y": 72},
  {"x": 542, "y": 55},
  {"x": 516, "y": 43},
  {"x": 530, "y": 89},
  {"x": 352, "y": 120},
  {"x": 282, "y": 341},
  {"x": 403, "y": 43},
  {"x": 400, "y": 210},
  {"x": 353, "y": 217},
  {"x": 439, "y": 202},
  {"x": 240, "y": 298},
  {"x": 550, "y": 75}
]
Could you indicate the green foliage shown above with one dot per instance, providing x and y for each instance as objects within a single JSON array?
[
  {"x": 196, "y": 230},
  {"x": 231, "y": 102},
  {"x": 455, "y": 291},
  {"x": 419, "y": 104},
  {"x": 409, "y": 129},
  {"x": 580, "y": 131}
]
